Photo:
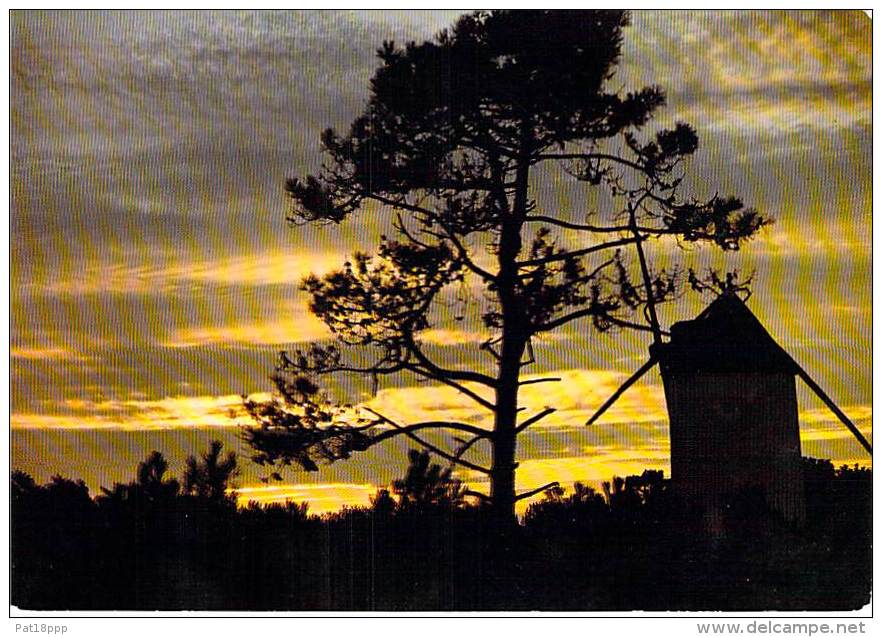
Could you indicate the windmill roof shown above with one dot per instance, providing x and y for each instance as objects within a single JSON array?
[{"x": 725, "y": 338}]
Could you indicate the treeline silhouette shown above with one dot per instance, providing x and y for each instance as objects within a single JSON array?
[{"x": 160, "y": 543}]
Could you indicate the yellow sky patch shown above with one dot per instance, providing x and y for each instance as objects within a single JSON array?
[
  {"x": 44, "y": 353},
  {"x": 271, "y": 268},
  {"x": 299, "y": 328},
  {"x": 446, "y": 337},
  {"x": 576, "y": 396},
  {"x": 322, "y": 498},
  {"x": 789, "y": 72},
  {"x": 781, "y": 240},
  {"x": 822, "y": 414},
  {"x": 133, "y": 415}
]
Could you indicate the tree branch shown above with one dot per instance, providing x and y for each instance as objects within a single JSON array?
[
  {"x": 457, "y": 374},
  {"x": 408, "y": 431},
  {"x": 589, "y": 311},
  {"x": 394, "y": 203},
  {"x": 563, "y": 320},
  {"x": 574, "y": 226},
  {"x": 429, "y": 424},
  {"x": 477, "y": 494},
  {"x": 577, "y": 253},
  {"x": 534, "y": 419},
  {"x": 535, "y": 381},
  {"x": 646, "y": 230},
  {"x": 462, "y": 252},
  {"x": 589, "y": 157},
  {"x": 394, "y": 367},
  {"x": 590, "y": 276},
  {"x": 452, "y": 383}
]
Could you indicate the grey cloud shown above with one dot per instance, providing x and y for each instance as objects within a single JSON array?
[{"x": 168, "y": 78}]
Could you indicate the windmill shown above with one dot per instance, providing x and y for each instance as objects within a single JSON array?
[{"x": 731, "y": 397}]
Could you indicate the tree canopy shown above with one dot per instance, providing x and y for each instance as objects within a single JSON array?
[{"x": 457, "y": 136}]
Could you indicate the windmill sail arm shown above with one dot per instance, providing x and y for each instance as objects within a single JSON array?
[
  {"x": 621, "y": 390},
  {"x": 832, "y": 406}
]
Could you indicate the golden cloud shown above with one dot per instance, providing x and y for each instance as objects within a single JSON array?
[
  {"x": 576, "y": 396},
  {"x": 322, "y": 498},
  {"x": 620, "y": 442},
  {"x": 857, "y": 413},
  {"x": 441, "y": 336},
  {"x": 833, "y": 239},
  {"x": 788, "y": 73},
  {"x": 273, "y": 268},
  {"x": 164, "y": 413},
  {"x": 302, "y": 327},
  {"x": 45, "y": 353}
]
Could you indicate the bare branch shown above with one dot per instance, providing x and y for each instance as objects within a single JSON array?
[
  {"x": 402, "y": 228},
  {"x": 590, "y": 311},
  {"x": 534, "y": 419},
  {"x": 621, "y": 390},
  {"x": 395, "y": 203},
  {"x": 646, "y": 230},
  {"x": 456, "y": 374},
  {"x": 535, "y": 381},
  {"x": 409, "y": 429},
  {"x": 462, "y": 252},
  {"x": 574, "y": 226},
  {"x": 468, "y": 444},
  {"x": 488, "y": 347},
  {"x": 589, "y": 157},
  {"x": 532, "y": 492},
  {"x": 577, "y": 253},
  {"x": 477, "y": 494},
  {"x": 429, "y": 424},
  {"x": 563, "y": 320},
  {"x": 452, "y": 383}
]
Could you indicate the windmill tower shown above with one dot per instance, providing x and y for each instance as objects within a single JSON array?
[
  {"x": 731, "y": 397},
  {"x": 734, "y": 423}
]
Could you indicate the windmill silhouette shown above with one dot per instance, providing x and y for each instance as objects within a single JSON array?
[{"x": 730, "y": 390}]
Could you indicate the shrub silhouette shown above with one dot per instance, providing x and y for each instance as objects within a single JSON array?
[
  {"x": 419, "y": 546},
  {"x": 210, "y": 477},
  {"x": 427, "y": 485}
]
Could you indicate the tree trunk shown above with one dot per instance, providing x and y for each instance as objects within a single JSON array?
[{"x": 502, "y": 477}]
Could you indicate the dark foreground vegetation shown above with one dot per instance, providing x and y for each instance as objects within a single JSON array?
[{"x": 157, "y": 543}]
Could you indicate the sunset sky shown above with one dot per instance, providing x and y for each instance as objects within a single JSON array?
[{"x": 154, "y": 278}]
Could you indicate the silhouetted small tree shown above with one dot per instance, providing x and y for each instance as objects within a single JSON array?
[
  {"x": 427, "y": 484},
  {"x": 22, "y": 483},
  {"x": 152, "y": 480},
  {"x": 210, "y": 476},
  {"x": 151, "y": 485},
  {"x": 382, "y": 502}
]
